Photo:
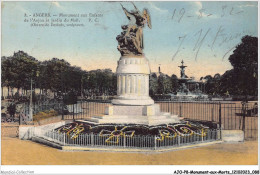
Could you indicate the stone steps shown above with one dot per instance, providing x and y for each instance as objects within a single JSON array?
[{"x": 164, "y": 118}]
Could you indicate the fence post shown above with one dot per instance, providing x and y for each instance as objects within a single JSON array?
[
  {"x": 124, "y": 142},
  {"x": 73, "y": 113},
  {"x": 64, "y": 137},
  {"x": 62, "y": 111},
  {"x": 220, "y": 119},
  {"x": 219, "y": 134},
  {"x": 202, "y": 133},
  {"x": 92, "y": 139},
  {"x": 212, "y": 114},
  {"x": 52, "y": 134},
  {"x": 244, "y": 116},
  {"x": 155, "y": 142},
  {"x": 19, "y": 119},
  {"x": 180, "y": 110}
]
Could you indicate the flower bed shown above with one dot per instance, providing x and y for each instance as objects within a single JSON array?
[{"x": 111, "y": 131}]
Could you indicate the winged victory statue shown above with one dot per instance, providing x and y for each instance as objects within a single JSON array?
[{"x": 130, "y": 41}]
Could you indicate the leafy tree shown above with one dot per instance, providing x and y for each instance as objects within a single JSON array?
[
  {"x": 216, "y": 84},
  {"x": 70, "y": 98},
  {"x": 209, "y": 84},
  {"x": 24, "y": 69},
  {"x": 164, "y": 83},
  {"x": 227, "y": 84},
  {"x": 174, "y": 82},
  {"x": 100, "y": 82},
  {"x": 153, "y": 84},
  {"x": 72, "y": 79},
  {"x": 245, "y": 64},
  {"x": 6, "y": 75},
  {"x": 53, "y": 74},
  {"x": 18, "y": 70}
]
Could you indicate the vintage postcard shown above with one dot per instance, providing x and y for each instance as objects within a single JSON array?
[{"x": 129, "y": 83}]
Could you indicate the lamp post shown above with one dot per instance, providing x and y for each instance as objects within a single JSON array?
[
  {"x": 31, "y": 100},
  {"x": 62, "y": 95}
]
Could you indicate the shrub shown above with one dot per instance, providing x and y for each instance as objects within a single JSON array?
[{"x": 44, "y": 115}]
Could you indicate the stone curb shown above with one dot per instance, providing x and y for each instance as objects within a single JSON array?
[
  {"x": 46, "y": 142},
  {"x": 77, "y": 148}
]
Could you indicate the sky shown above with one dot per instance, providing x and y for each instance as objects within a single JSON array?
[{"x": 202, "y": 34}]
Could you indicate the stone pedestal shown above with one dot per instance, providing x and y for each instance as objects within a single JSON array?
[
  {"x": 146, "y": 115},
  {"x": 133, "y": 105},
  {"x": 133, "y": 81}
]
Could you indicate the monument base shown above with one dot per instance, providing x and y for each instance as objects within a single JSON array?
[
  {"x": 146, "y": 115},
  {"x": 133, "y": 101}
]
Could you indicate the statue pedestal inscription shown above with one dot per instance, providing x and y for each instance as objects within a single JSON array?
[{"x": 133, "y": 105}]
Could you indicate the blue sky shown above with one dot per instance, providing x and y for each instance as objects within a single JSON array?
[{"x": 201, "y": 33}]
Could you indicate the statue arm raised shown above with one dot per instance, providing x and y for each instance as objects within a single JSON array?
[{"x": 126, "y": 12}]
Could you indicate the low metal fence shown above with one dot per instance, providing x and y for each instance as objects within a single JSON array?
[
  {"x": 229, "y": 115},
  {"x": 138, "y": 141},
  {"x": 234, "y": 115}
]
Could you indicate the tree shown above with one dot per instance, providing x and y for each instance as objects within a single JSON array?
[
  {"x": 18, "y": 70},
  {"x": 164, "y": 83},
  {"x": 216, "y": 84},
  {"x": 175, "y": 83},
  {"x": 24, "y": 69},
  {"x": 72, "y": 79},
  {"x": 245, "y": 64},
  {"x": 100, "y": 82},
  {"x": 243, "y": 78},
  {"x": 153, "y": 84},
  {"x": 209, "y": 84},
  {"x": 6, "y": 75},
  {"x": 227, "y": 84},
  {"x": 70, "y": 98},
  {"x": 53, "y": 74}
]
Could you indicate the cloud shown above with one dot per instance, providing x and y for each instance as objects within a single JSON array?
[
  {"x": 198, "y": 4},
  {"x": 200, "y": 12},
  {"x": 57, "y": 4},
  {"x": 196, "y": 7},
  {"x": 157, "y": 8}
]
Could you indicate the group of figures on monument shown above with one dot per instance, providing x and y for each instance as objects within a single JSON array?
[{"x": 130, "y": 41}]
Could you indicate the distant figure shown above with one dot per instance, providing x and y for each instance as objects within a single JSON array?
[
  {"x": 197, "y": 86},
  {"x": 255, "y": 109},
  {"x": 12, "y": 109}
]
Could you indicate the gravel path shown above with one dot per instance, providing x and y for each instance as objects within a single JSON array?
[{"x": 23, "y": 152}]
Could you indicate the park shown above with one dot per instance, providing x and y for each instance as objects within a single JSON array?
[{"x": 134, "y": 113}]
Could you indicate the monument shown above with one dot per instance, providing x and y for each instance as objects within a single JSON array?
[
  {"x": 133, "y": 68},
  {"x": 133, "y": 105}
]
